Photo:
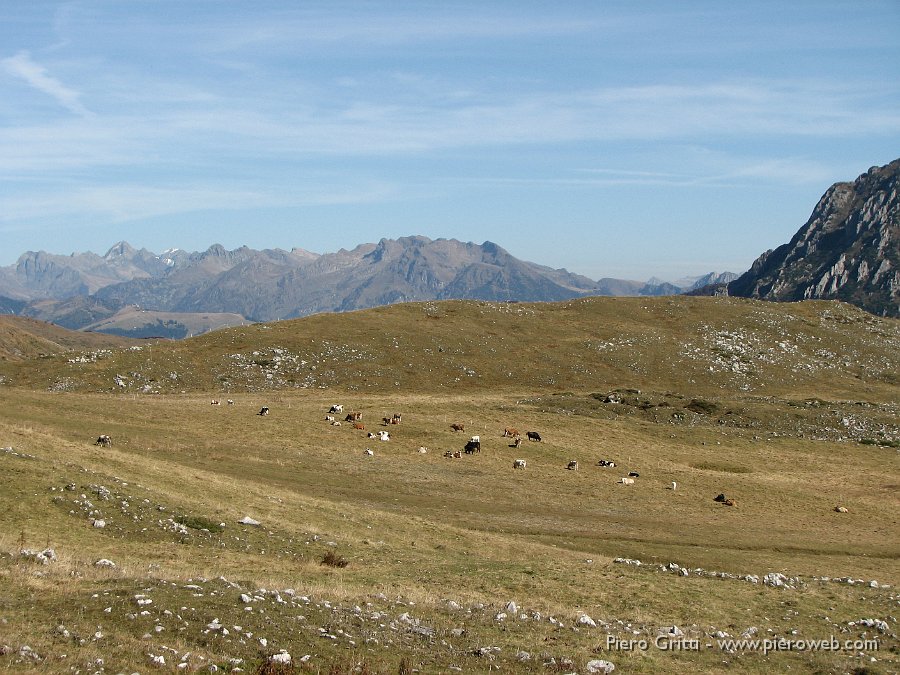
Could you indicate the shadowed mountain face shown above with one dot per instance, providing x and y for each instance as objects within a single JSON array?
[{"x": 848, "y": 250}]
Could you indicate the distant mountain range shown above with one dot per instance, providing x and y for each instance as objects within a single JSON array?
[
  {"x": 176, "y": 293},
  {"x": 848, "y": 250}
]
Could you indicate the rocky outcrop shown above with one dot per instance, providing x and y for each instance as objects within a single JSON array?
[{"x": 848, "y": 250}]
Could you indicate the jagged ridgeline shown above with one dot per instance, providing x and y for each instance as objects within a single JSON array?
[
  {"x": 679, "y": 343},
  {"x": 848, "y": 250}
]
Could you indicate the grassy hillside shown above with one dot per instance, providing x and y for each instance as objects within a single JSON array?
[
  {"x": 437, "y": 548},
  {"x": 24, "y": 339}
]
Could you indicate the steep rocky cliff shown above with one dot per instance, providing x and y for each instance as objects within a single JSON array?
[{"x": 848, "y": 250}]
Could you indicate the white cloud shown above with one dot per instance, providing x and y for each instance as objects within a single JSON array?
[{"x": 35, "y": 75}]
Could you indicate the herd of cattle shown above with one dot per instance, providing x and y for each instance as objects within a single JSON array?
[{"x": 472, "y": 446}]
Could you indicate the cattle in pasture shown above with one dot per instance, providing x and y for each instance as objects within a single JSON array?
[
  {"x": 730, "y": 502},
  {"x": 453, "y": 454},
  {"x": 519, "y": 463},
  {"x": 359, "y": 425},
  {"x": 475, "y": 439},
  {"x": 336, "y": 423},
  {"x": 533, "y": 435},
  {"x": 626, "y": 481},
  {"x": 572, "y": 465},
  {"x": 606, "y": 462},
  {"x": 372, "y": 434},
  {"x": 368, "y": 452},
  {"x": 674, "y": 485},
  {"x": 384, "y": 436},
  {"x": 720, "y": 497},
  {"x": 230, "y": 402},
  {"x": 263, "y": 411},
  {"x": 633, "y": 474},
  {"x": 353, "y": 417},
  {"x": 456, "y": 426},
  {"x": 104, "y": 441},
  {"x": 510, "y": 432},
  {"x": 329, "y": 418},
  {"x": 422, "y": 450},
  {"x": 215, "y": 401},
  {"x": 336, "y": 408},
  {"x": 395, "y": 418},
  {"x": 473, "y": 446},
  {"x": 841, "y": 509}
]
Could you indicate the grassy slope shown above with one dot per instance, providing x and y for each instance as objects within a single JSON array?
[{"x": 419, "y": 530}]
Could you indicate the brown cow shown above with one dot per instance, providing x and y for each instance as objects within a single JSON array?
[
  {"x": 509, "y": 431},
  {"x": 359, "y": 425},
  {"x": 456, "y": 426},
  {"x": 353, "y": 417}
]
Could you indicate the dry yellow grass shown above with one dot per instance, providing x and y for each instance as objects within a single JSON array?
[{"x": 421, "y": 530}]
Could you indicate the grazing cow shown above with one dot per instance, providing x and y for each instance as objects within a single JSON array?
[
  {"x": 606, "y": 462},
  {"x": 453, "y": 454},
  {"x": 517, "y": 442},
  {"x": 359, "y": 425},
  {"x": 329, "y": 418},
  {"x": 384, "y": 436},
  {"x": 626, "y": 481},
  {"x": 533, "y": 435},
  {"x": 336, "y": 409},
  {"x": 395, "y": 418},
  {"x": 422, "y": 450},
  {"x": 720, "y": 497},
  {"x": 336, "y": 423},
  {"x": 674, "y": 485},
  {"x": 368, "y": 452},
  {"x": 841, "y": 509},
  {"x": 104, "y": 441},
  {"x": 572, "y": 465},
  {"x": 353, "y": 417},
  {"x": 519, "y": 463},
  {"x": 473, "y": 446},
  {"x": 633, "y": 474},
  {"x": 230, "y": 402},
  {"x": 215, "y": 401},
  {"x": 730, "y": 502},
  {"x": 456, "y": 426},
  {"x": 263, "y": 411},
  {"x": 510, "y": 432}
]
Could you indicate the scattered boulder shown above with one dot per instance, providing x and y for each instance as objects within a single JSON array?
[
  {"x": 247, "y": 520},
  {"x": 104, "y": 562},
  {"x": 841, "y": 509},
  {"x": 596, "y": 666},
  {"x": 45, "y": 557}
]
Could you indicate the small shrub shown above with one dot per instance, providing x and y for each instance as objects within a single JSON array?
[
  {"x": 199, "y": 523},
  {"x": 332, "y": 559},
  {"x": 702, "y": 407}
]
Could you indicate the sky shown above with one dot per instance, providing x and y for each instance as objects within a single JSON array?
[{"x": 623, "y": 139}]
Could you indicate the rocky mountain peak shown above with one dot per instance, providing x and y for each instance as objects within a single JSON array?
[{"x": 848, "y": 250}]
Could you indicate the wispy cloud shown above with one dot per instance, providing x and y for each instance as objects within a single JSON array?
[{"x": 35, "y": 75}]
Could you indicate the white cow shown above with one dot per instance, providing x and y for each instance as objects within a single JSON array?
[
  {"x": 573, "y": 465},
  {"x": 519, "y": 463},
  {"x": 626, "y": 481},
  {"x": 475, "y": 439},
  {"x": 336, "y": 409},
  {"x": 384, "y": 436},
  {"x": 329, "y": 418}
]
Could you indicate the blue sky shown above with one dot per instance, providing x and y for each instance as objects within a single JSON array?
[{"x": 623, "y": 139}]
